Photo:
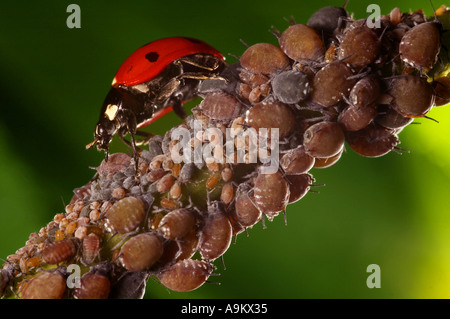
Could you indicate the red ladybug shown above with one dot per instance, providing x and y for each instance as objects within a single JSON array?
[{"x": 154, "y": 80}]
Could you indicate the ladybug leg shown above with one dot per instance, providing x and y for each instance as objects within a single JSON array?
[{"x": 178, "y": 108}]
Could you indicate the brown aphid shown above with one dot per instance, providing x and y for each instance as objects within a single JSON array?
[
  {"x": 212, "y": 181},
  {"x": 165, "y": 183},
  {"x": 90, "y": 248},
  {"x": 331, "y": 83},
  {"x": 246, "y": 213},
  {"x": 227, "y": 193},
  {"x": 328, "y": 161},
  {"x": 226, "y": 174},
  {"x": 372, "y": 141},
  {"x": 420, "y": 46},
  {"x": 323, "y": 139},
  {"x": 366, "y": 91},
  {"x": 299, "y": 186},
  {"x": 264, "y": 58},
  {"x": 186, "y": 275},
  {"x": 413, "y": 96},
  {"x": 220, "y": 106},
  {"x": 125, "y": 215},
  {"x": 45, "y": 285},
  {"x": 168, "y": 203},
  {"x": 216, "y": 233},
  {"x": 155, "y": 174},
  {"x": 175, "y": 190},
  {"x": 359, "y": 47},
  {"x": 59, "y": 251},
  {"x": 116, "y": 162},
  {"x": 281, "y": 117},
  {"x": 355, "y": 118},
  {"x": 301, "y": 42},
  {"x": 271, "y": 193},
  {"x": 141, "y": 251},
  {"x": 442, "y": 91},
  {"x": 296, "y": 161},
  {"x": 177, "y": 224},
  {"x": 390, "y": 118},
  {"x": 175, "y": 250},
  {"x": 94, "y": 285}
]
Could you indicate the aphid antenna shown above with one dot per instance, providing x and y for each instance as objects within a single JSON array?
[
  {"x": 345, "y": 4},
  {"x": 275, "y": 32},
  {"x": 234, "y": 55},
  {"x": 244, "y": 43},
  {"x": 290, "y": 20},
  {"x": 223, "y": 263}
]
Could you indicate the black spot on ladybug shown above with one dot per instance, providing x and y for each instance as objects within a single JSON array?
[{"x": 152, "y": 56}]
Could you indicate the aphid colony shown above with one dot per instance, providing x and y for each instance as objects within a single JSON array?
[{"x": 331, "y": 81}]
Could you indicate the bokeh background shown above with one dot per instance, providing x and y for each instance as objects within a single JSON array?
[{"x": 391, "y": 211}]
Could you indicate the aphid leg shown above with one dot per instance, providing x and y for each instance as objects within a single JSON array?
[{"x": 275, "y": 32}]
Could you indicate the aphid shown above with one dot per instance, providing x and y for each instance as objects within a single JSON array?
[
  {"x": 226, "y": 174},
  {"x": 442, "y": 91},
  {"x": 326, "y": 20},
  {"x": 372, "y": 141},
  {"x": 59, "y": 251},
  {"x": 331, "y": 84},
  {"x": 141, "y": 251},
  {"x": 155, "y": 79},
  {"x": 413, "y": 96},
  {"x": 175, "y": 190},
  {"x": 291, "y": 86},
  {"x": 355, "y": 118},
  {"x": 323, "y": 139},
  {"x": 296, "y": 161},
  {"x": 420, "y": 46},
  {"x": 45, "y": 285},
  {"x": 155, "y": 174},
  {"x": 118, "y": 193},
  {"x": 281, "y": 117},
  {"x": 212, "y": 181},
  {"x": 301, "y": 42},
  {"x": 299, "y": 186},
  {"x": 271, "y": 193},
  {"x": 125, "y": 215},
  {"x": 116, "y": 162},
  {"x": 328, "y": 161},
  {"x": 227, "y": 193},
  {"x": 6, "y": 274},
  {"x": 165, "y": 183},
  {"x": 94, "y": 285},
  {"x": 264, "y": 58},
  {"x": 366, "y": 91},
  {"x": 216, "y": 233},
  {"x": 90, "y": 248},
  {"x": 220, "y": 106},
  {"x": 359, "y": 47},
  {"x": 186, "y": 275},
  {"x": 187, "y": 172},
  {"x": 391, "y": 119},
  {"x": 177, "y": 224},
  {"x": 130, "y": 285},
  {"x": 168, "y": 203},
  {"x": 246, "y": 213}
]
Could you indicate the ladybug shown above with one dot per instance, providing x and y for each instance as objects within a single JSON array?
[{"x": 154, "y": 80}]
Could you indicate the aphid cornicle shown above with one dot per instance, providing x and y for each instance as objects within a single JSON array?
[{"x": 152, "y": 81}]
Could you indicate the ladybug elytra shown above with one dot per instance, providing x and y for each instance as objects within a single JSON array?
[{"x": 154, "y": 80}]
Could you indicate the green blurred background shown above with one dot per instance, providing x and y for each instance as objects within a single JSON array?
[{"x": 391, "y": 211}]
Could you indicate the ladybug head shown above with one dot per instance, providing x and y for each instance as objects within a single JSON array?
[{"x": 108, "y": 124}]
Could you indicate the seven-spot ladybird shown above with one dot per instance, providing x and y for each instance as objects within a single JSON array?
[{"x": 154, "y": 80}]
